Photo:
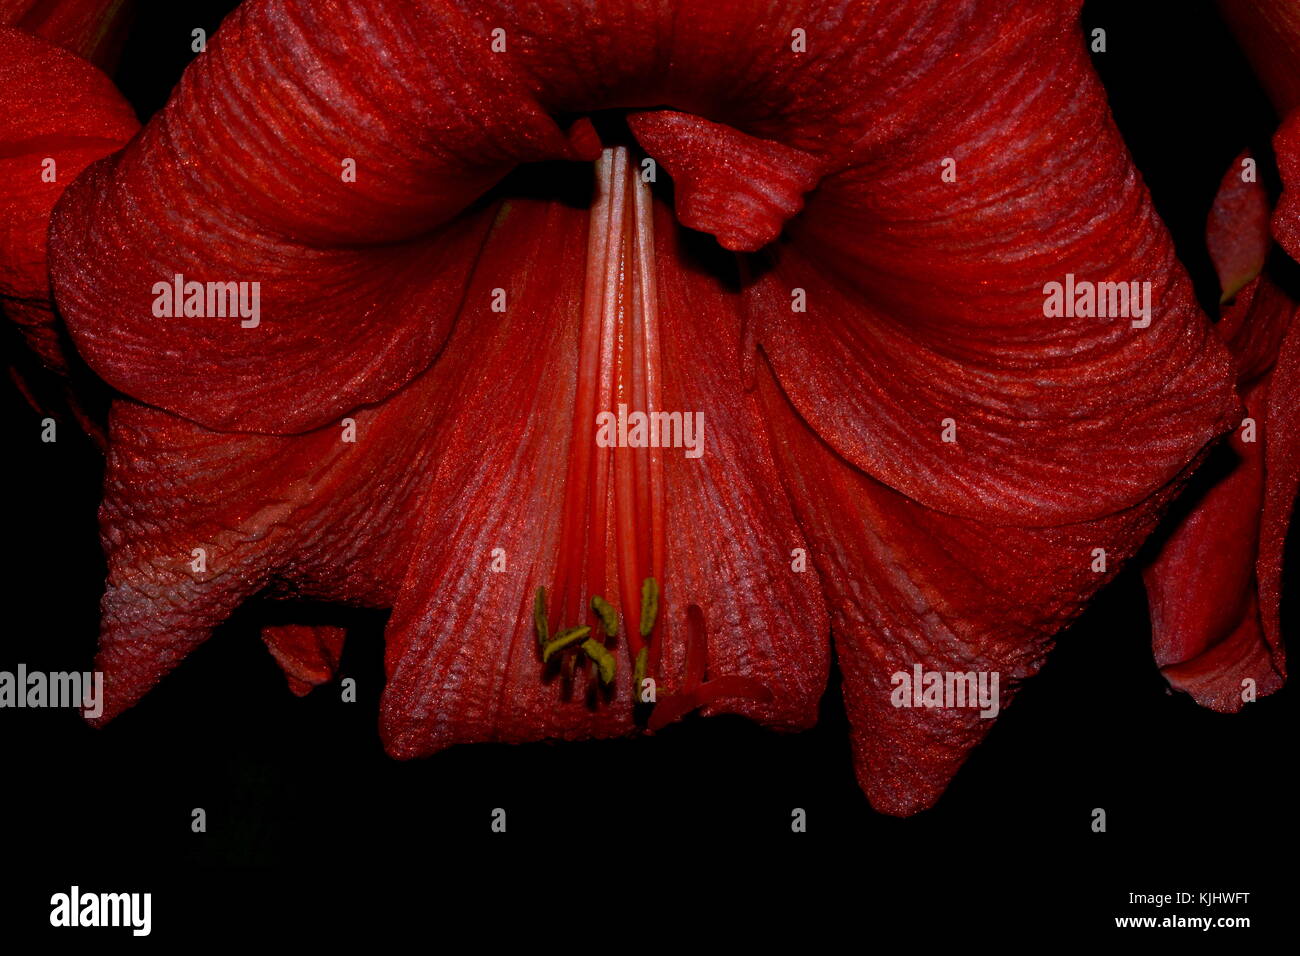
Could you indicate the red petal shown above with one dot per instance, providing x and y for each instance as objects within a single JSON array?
[
  {"x": 1237, "y": 233},
  {"x": 739, "y": 188},
  {"x": 313, "y": 515},
  {"x": 908, "y": 585},
  {"x": 1205, "y": 622},
  {"x": 359, "y": 286},
  {"x": 1253, "y": 327},
  {"x": 1215, "y": 585},
  {"x": 926, "y": 298},
  {"x": 1286, "y": 218},
  {"x": 57, "y": 107},
  {"x": 1218, "y": 677},
  {"x": 733, "y": 536},
  {"x": 308, "y": 654},
  {"x": 1281, "y": 483}
]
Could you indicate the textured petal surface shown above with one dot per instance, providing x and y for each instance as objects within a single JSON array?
[
  {"x": 1215, "y": 586},
  {"x": 1286, "y": 217},
  {"x": 733, "y": 539},
  {"x": 926, "y": 299},
  {"x": 1237, "y": 233},
  {"x": 359, "y": 280},
  {"x": 1205, "y": 624},
  {"x": 910, "y": 586},
  {"x": 194, "y": 522},
  {"x": 60, "y": 115},
  {"x": 739, "y": 188},
  {"x": 462, "y": 654},
  {"x": 1281, "y": 484}
]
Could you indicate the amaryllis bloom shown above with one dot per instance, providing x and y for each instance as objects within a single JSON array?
[{"x": 636, "y": 355}]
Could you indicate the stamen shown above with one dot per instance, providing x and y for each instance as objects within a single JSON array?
[
  {"x": 608, "y": 616},
  {"x": 603, "y": 660},
  {"x": 562, "y": 640},
  {"x": 539, "y": 617},
  {"x": 649, "y": 605},
  {"x": 638, "y": 673}
]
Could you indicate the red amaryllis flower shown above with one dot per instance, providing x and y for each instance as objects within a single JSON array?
[{"x": 383, "y": 329}]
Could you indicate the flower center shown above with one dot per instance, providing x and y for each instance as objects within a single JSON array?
[{"x": 612, "y": 538}]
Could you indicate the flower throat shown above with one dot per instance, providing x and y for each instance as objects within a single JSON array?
[{"x": 613, "y": 523}]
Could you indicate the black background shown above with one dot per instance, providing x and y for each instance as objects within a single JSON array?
[{"x": 305, "y": 811}]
